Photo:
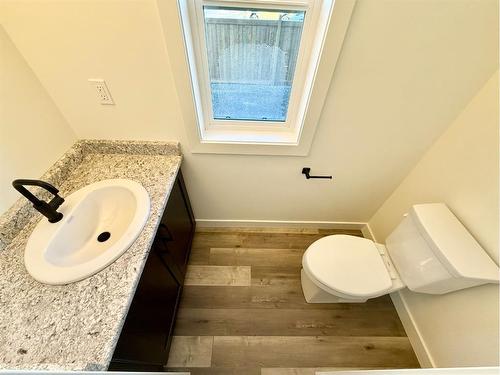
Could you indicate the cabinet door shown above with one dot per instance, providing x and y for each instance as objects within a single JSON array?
[
  {"x": 176, "y": 229},
  {"x": 146, "y": 333},
  {"x": 145, "y": 339}
]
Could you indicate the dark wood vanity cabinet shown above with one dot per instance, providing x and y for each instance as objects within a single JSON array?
[
  {"x": 176, "y": 230},
  {"x": 145, "y": 338}
]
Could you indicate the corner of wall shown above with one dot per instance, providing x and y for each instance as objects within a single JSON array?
[
  {"x": 367, "y": 232},
  {"x": 468, "y": 148}
]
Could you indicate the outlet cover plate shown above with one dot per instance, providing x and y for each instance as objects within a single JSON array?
[{"x": 103, "y": 94}]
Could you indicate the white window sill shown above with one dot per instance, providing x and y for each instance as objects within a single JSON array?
[
  {"x": 249, "y": 137},
  {"x": 249, "y": 143}
]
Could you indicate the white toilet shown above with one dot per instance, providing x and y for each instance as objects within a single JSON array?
[{"x": 430, "y": 251}]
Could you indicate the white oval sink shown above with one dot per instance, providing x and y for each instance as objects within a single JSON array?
[{"x": 101, "y": 221}]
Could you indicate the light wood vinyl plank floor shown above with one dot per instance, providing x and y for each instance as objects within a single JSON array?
[
  {"x": 243, "y": 312},
  {"x": 310, "y": 351},
  {"x": 296, "y": 322},
  {"x": 191, "y": 351},
  {"x": 218, "y": 275}
]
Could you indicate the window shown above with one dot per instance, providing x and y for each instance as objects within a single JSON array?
[
  {"x": 251, "y": 54},
  {"x": 253, "y": 66}
]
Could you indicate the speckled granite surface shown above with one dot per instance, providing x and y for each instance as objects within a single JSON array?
[{"x": 76, "y": 326}]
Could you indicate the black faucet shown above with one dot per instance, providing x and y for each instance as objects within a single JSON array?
[{"x": 47, "y": 209}]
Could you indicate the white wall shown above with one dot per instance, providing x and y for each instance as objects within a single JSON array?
[
  {"x": 33, "y": 133},
  {"x": 461, "y": 169},
  {"x": 406, "y": 70}
]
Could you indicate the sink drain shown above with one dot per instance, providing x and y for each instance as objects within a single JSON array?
[{"x": 104, "y": 236}]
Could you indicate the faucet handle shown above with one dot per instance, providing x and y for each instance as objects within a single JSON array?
[{"x": 56, "y": 201}]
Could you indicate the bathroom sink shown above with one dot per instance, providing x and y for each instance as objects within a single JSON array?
[{"x": 100, "y": 222}]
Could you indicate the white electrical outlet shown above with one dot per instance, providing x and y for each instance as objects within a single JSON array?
[{"x": 102, "y": 90}]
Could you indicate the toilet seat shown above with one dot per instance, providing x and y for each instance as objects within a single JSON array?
[{"x": 348, "y": 266}]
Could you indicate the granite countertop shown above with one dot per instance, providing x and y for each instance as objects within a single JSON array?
[{"x": 76, "y": 326}]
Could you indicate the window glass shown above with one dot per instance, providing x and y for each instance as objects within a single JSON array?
[{"x": 252, "y": 54}]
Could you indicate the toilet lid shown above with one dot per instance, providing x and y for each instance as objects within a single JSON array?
[{"x": 351, "y": 265}]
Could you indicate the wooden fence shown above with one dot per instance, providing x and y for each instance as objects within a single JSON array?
[{"x": 252, "y": 51}]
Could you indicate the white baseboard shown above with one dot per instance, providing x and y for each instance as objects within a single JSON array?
[
  {"x": 209, "y": 223},
  {"x": 417, "y": 342}
]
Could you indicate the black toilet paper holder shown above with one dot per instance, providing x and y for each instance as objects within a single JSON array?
[{"x": 306, "y": 171}]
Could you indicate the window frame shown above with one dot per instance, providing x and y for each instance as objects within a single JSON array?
[
  {"x": 244, "y": 140},
  {"x": 224, "y": 129},
  {"x": 202, "y": 70}
]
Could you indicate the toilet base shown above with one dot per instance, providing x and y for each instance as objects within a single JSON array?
[{"x": 314, "y": 294}]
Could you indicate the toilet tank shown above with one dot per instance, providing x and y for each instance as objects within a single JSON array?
[{"x": 434, "y": 253}]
